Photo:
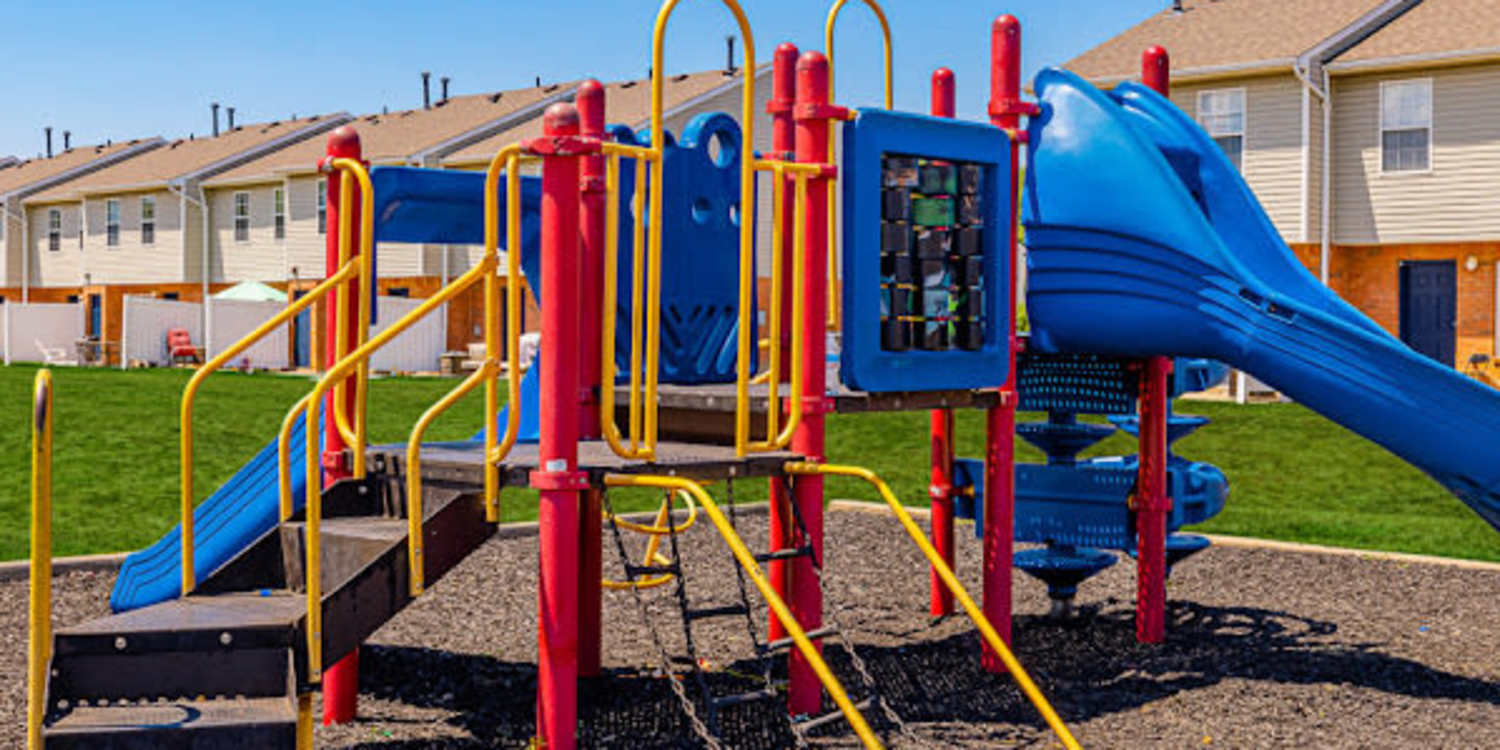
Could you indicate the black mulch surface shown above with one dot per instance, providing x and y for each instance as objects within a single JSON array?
[{"x": 1265, "y": 649}]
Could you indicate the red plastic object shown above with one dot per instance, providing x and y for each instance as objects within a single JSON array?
[
  {"x": 1156, "y": 69},
  {"x": 1005, "y": 109},
  {"x": 1151, "y": 502},
  {"x": 944, "y": 92},
  {"x": 557, "y": 513},
  {"x": 340, "y": 681},
  {"x": 783, "y": 142},
  {"x": 805, "y": 695},
  {"x": 590, "y": 562}
]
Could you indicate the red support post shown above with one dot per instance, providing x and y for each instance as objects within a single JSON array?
[
  {"x": 811, "y": 113},
  {"x": 1005, "y": 109},
  {"x": 1151, "y": 500},
  {"x": 941, "y": 490},
  {"x": 590, "y": 563},
  {"x": 340, "y": 681},
  {"x": 558, "y": 477},
  {"x": 783, "y": 144}
]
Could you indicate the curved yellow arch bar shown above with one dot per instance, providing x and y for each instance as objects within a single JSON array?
[{"x": 833, "y": 232}]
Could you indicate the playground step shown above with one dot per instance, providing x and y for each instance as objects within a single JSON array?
[
  {"x": 812, "y": 635},
  {"x": 729, "y": 610},
  {"x": 349, "y": 545},
  {"x": 249, "y": 723},
  {"x": 813, "y": 722},
  {"x": 726, "y": 701},
  {"x": 805, "y": 550}
]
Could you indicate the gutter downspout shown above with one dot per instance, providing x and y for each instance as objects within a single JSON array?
[
  {"x": 1303, "y": 70},
  {"x": 1325, "y": 206},
  {"x": 208, "y": 313},
  {"x": 180, "y": 188}
]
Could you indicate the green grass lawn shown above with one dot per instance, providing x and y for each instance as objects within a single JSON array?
[{"x": 1293, "y": 475}]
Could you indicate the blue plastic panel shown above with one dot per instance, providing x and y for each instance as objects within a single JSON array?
[
  {"x": 864, "y": 365},
  {"x": 700, "y": 252}
]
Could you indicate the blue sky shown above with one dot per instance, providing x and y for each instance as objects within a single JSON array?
[{"x": 151, "y": 67}]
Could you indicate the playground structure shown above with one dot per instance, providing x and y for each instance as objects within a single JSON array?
[{"x": 650, "y": 376}]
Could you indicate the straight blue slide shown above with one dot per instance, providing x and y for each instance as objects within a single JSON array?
[{"x": 1144, "y": 240}]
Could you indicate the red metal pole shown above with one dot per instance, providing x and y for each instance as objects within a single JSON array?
[
  {"x": 590, "y": 562},
  {"x": 1006, "y": 109},
  {"x": 1151, "y": 501},
  {"x": 340, "y": 681},
  {"x": 941, "y": 489},
  {"x": 558, "y": 477},
  {"x": 811, "y": 113},
  {"x": 783, "y": 134}
]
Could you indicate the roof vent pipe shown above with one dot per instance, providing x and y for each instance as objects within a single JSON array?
[
  {"x": 445, "y": 80},
  {"x": 230, "y": 112},
  {"x": 48, "y": 131},
  {"x": 538, "y": 81},
  {"x": 1177, "y": 6},
  {"x": 215, "y": 108},
  {"x": 426, "y": 89},
  {"x": 729, "y": 60},
  {"x": 67, "y": 140}
]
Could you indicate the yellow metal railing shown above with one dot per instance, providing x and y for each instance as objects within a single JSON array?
[
  {"x": 358, "y": 360},
  {"x": 39, "y": 650},
  {"x": 833, "y": 203},
  {"x": 986, "y": 630},
  {"x": 358, "y": 270},
  {"x": 777, "y": 604},
  {"x": 660, "y": 527}
]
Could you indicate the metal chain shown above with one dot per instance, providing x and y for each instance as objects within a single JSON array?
[
  {"x": 661, "y": 650},
  {"x": 843, "y": 633},
  {"x": 687, "y": 625}
]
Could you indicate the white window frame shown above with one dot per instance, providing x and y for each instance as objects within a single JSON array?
[
  {"x": 278, "y": 213},
  {"x": 1380, "y": 128},
  {"x": 54, "y": 230},
  {"x": 322, "y": 205},
  {"x": 148, "y": 220},
  {"x": 1244, "y": 119},
  {"x": 111, "y": 222},
  {"x": 241, "y": 199}
]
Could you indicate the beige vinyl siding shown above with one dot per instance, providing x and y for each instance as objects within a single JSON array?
[
  {"x": 1457, "y": 200},
  {"x": 13, "y": 221},
  {"x": 64, "y": 267},
  {"x": 191, "y": 240},
  {"x": 305, "y": 247},
  {"x": 132, "y": 262},
  {"x": 260, "y": 256},
  {"x": 1272, "y": 156}
]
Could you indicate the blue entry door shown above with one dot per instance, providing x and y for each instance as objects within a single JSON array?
[{"x": 1429, "y": 307}]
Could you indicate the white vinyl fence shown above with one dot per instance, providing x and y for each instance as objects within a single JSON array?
[
  {"x": 418, "y": 348},
  {"x": 144, "y": 325},
  {"x": 231, "y": 319},
  {"x": 42, "y": 332}
]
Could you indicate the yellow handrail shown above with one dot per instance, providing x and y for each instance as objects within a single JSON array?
[
  {"x": 833, "y": 224},
  {"x": 489, "y": 371},
  {"x": 777, "y": 439},
  {"x": 1023, "y": 680},
  {"x": 360, "y": 270},
  {"x": 312, "y": 408},
  {"x": 39, "y": 650},
  {"x": 778, "y": 606},
  {"x": 640, "y": 447}
]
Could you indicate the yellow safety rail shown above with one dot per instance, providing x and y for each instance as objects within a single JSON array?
[
  {"x": 833, "y": 224},
  {"x": 360, "y": 270},
  {"x": 1023, "y": 680},
  {"x": 358, "y": 360},
  {"x": 39, "y": 650},
  {"x": 662, "y": 526},
  {"x": 489, "y": 372},
  {"x": 778, "y": 606},
  {"x": 643, "y": 407},
  {"x": 777, "y": 437}
]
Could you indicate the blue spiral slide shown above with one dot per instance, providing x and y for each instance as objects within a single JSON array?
[{"x": 1144, "y": 240}]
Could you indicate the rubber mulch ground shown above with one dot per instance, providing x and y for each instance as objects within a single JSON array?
[{"x": 1265, "y": 649}]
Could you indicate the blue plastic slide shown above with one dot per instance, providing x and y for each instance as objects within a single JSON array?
[
  {"x": 236, "y": 514},
  {"x": 1144, "y": 240}
]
